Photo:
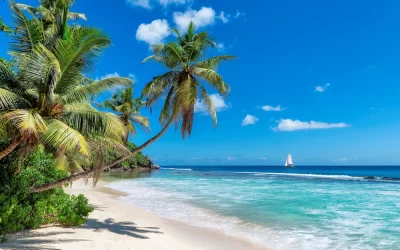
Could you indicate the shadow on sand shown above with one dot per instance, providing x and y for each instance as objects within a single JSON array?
[
  {"x": 122, "y": 228},
  {"x": 35, "y": 241},
  {"x": 31, "y": 240}
]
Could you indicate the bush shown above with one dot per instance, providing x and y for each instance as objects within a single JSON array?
[{"x": 21, "y": 210}]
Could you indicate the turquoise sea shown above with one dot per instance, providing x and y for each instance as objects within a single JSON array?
[{"x": 303, "y": 208}]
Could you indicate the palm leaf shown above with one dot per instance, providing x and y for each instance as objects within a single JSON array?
[
  {"x": 28, "y": 32},
  {"x": 76, "y": 16},
  {"x": 213, "y": 63},
  {"x": 208, "y": 103},
  {"x": 212, "y": 77},
  {"x": 93, "y": 89},
  {"x": 28, "y": 122},
  {"x": 9, "y": 100},
  {"x": 60, "y": 135}
]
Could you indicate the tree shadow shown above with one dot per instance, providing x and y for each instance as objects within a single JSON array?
[
  {"x": 122, "y": 228},
  {"x": 29, "y": 240}
]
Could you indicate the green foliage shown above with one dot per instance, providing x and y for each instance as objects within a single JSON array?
[
  {"x": 4, "y": 27},
  {"x": 137, "y": 160},
  {"x": 183, "y": 84},
  {"x": 21, "y": 210}
]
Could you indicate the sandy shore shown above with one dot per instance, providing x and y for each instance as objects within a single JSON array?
[{"x": 118, "y": 225}]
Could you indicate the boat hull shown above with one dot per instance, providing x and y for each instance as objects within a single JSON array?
[{"x": 289, "y": 166}]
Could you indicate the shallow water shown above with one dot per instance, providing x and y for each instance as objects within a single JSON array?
[{"x": 302, "y": 208}]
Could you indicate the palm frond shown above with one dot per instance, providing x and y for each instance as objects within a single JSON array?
[
  {"x": 76, "y": 55},
  {"x": 93, "y": 89},
  {"x": 84, "y": 118},
  {"x": 60, "y": 135},
  {"x": 142, "y": 120},
  {"x": 208, "y": 103},
  {"x": 213, "y": 63},
  {"x": 154, "y": 89},
  {"x": 76, "y": 16},
  {"x": 28, "y": 32},
  {"x": 9, "y": 100},
  {"x": 27, "y": 122},
  {"x": 169, "y": 54},
  {"x": 212, "y": 77}
]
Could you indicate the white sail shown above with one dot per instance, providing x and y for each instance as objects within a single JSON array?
[{"x": 289, "y": 161}]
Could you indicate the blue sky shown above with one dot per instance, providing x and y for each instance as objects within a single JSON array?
[{"x": 319, "y": 79}]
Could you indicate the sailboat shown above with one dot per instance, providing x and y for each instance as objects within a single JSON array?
[{"x": 289, "y": 161}]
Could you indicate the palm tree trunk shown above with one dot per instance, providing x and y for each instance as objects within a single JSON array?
[
  {"x": 21, "y": 157},
  {"x": 78, "y": 176},
  {"x": 9, "y": 148},
  {"x": 126, "y": 139}
]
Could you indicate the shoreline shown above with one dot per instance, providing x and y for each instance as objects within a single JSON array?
[{"x": 115, "y": 224}]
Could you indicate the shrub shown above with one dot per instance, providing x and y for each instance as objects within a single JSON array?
[{"x": 21, "y": 210}]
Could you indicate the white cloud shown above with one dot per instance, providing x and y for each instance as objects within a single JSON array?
[
  {"x": 115, "y": 74},
  {"x": 223, "y": 18},
  {"x": 238, "y": 14},
  {"x": 249, "y": 120},
  {"x": 154, "y": 32},
  {"x": 148, "y": 4},
  {"x": 168, "y": 2},
  {"x": 263, "y": 158},
  {"x": 140, "y": 3},
  {"x": 322, "y": 88},
  {"x": 201, "y": 18},
  {"x": 293, "y": 125},
  {"x": 220, "y": 46},
  {"x": 218, "y": 101},
  {"x": 272, "y": 108}
]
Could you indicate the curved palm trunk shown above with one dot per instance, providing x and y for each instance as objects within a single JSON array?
[
  {"x": 78, "y": 176},
  {"x": 9, "y": 149}
]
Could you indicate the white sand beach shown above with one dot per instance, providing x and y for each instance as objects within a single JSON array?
[{"x": 115, "y": 224}]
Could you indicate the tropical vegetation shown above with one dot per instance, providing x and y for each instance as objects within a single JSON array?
[
  {"x": 128, "y": 109},
  {"x": 48, "y": 120},
  {"x": 21, "y": 209}
]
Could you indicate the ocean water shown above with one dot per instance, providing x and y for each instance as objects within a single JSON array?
[{"x": 302, "y": 208}]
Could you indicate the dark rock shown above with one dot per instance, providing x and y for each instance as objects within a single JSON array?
[{"x": 155, "y": 167}]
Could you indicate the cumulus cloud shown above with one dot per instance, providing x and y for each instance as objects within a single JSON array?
[
  {"x": 223, "y": 18},
  {"x": 139, "y": 3},
  {"x": 272, "y": 108},
  {"x": 218, "y": 101},
  {"x": 201, "y": 18},
  {"x": 293, "y": 125},
  {"x": 322, "y": 88},
  {"x": 154, "y": 32},
  {"x": 148, "y": 4},
  {"x": 249, "y": 120}
]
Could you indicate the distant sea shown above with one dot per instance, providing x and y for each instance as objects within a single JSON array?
[{"x": 308, "y": 207}]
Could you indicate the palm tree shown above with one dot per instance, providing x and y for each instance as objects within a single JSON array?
[
  {"x": 44, "y": 99},
  {"x": 181, "y": 86},
  {"x": 54, "y": 14},
  {"x": 127, "y": 108}
]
